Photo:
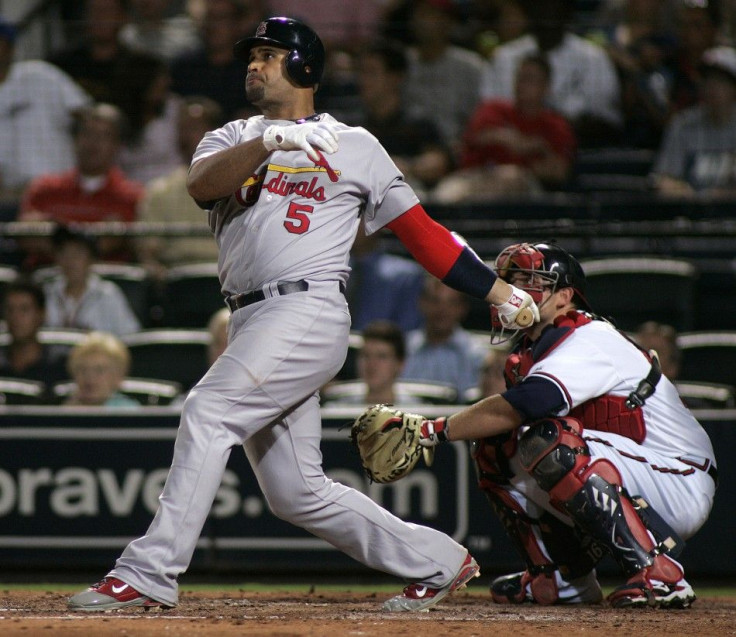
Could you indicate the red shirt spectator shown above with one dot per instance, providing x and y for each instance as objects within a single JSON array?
[
  {"x": 512, "y": 149},
  {"x": 95, "y": 191},
  {"x": 62, "y": 197},
  {"x": 495, "y": 114}
]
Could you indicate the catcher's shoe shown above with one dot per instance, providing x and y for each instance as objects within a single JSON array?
[
  {"x": 416, "y": 597},
  {"x": 545, "y": 589},
  {"x": 111, "y": 594},
  {"x": 643, "y": 591}
]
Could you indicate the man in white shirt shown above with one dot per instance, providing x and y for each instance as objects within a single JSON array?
[
  {"x": 585, "y": 87},
  {"x": 37, "y": 102},
  {"x": 78, "y": 298}
]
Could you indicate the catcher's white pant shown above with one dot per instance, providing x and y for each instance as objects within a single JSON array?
[
  {"x": 683, "y": 501},
  {"x": 262, "y": 393}
]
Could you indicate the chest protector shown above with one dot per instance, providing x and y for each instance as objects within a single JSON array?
[{"x": 602, "y": 413}]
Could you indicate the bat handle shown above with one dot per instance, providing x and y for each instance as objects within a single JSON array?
[{"x": 525, "y": 317}]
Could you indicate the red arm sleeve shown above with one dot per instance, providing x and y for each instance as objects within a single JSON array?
[
  {"x": 430, "y": 243},
  {"x": 441, "y": 253}
]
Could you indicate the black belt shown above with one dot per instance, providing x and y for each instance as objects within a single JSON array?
[
  {"x": 237, "y": 301},
  {"x": 707, "y": 467}
]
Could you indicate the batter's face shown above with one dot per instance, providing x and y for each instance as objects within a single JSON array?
[{"x": 266, "y": 83}]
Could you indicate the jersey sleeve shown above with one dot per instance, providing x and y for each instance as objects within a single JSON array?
[
  {"x": 537, "y": 397},
  {"x": 214, "y": 141},
  {"x": 579, "y": 369},
  {"x": 443, "y": 254},
  {"x": 387, "y": 195}
]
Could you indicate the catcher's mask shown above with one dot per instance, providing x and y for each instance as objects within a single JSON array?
[
  {"x": 548, "y": 267},
  {"x": 306, "y": 59}
]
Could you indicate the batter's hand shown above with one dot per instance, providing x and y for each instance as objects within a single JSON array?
[
  {"x": 306, "y": 137},
  {"x": 519, "y": 311}
]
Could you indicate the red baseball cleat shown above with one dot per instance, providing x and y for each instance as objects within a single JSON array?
[
  {"x": 417, "y": 597},
  {"x": 111, "y": 594}
]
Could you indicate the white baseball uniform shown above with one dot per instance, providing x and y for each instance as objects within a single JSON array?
[
  {"x": 668, "y": 467},
  {"x": 292, "y": 221}
]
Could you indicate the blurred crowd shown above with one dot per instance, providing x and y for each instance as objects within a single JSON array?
[{"x": 475, "y": 100}]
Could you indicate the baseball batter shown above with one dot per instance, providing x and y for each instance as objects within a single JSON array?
[
  {"x": 285, "y": 193},
  {"x": 589, "y": 450}
]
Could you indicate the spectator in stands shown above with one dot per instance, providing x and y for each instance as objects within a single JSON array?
[
  {"x": 444, "y": 79},
  {"x": 95, "y": 191},
  {"x": 95, "y": 63},
  {"x": 492, "y": 380},
  {"x": 498, "y": 22},
  {"x": 77, "y": 297},
  {"x": 517, "y": 147},
  {"x": 698, "y": 23},
  {"x": 585, "y": 87},
  {"x": 442, "y": 351},
  {"x": 663, "y": 339},
  {"x": 37, "y": 103},
  {"x": 414, "y": 144},
  {"x": 167, "y": 201},
  {"x": 344, "y": 25},
  {"x": 698, "y": 154},
  {"x": 640, "y": 41},
  {"x": 150, "y": 149},
  {"x": 212, "y": 69},
  {"x": 98, "y": 365},
  {"x": 155, "y": 27},
  {"x": 379, "y": 362},
  {"x": 625, "y": 22},
  {"x": 24, "y": 312},
  {"x": 382, "y": 285},
  {"x": 217, "y": 327}
]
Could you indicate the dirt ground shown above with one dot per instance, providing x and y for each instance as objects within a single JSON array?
[{"x": 330, "y": 614}]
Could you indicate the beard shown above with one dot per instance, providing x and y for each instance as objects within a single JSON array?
[{"x": 255, "y": 93}]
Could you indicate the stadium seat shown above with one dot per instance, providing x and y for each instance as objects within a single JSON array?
[
  {"x": 192, "y": 295},
  {"x": 60, "y": 339},
  {"x": 147, "y": 391},
  {"x": 18, "y": 391},
  {"x": 424, "y": 392},
  {"x": 178, "y": 355},
  {"x": 8, "y": 274},
  {"x": 708, "y": 356},
  {"x": 135, "y": 283},
  {"x": 706, "y": 395},
  {"x": 632, "y": 290}
]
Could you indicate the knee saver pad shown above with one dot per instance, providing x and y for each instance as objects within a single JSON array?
[{"x": 552, "y": 448}]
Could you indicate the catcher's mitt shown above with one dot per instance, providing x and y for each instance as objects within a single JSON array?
[{"x": 388, "y": 442}]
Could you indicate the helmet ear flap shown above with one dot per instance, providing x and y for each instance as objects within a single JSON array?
[{"x": 298, "y": 70}]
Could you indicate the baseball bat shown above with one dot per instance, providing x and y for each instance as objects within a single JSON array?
[{"x": 525, "y": 317}]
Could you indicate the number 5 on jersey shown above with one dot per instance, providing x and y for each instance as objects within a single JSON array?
[{"x": 298, "y": 218}]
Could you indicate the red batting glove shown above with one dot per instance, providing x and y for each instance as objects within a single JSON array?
[{"x": 434, "y": 432}]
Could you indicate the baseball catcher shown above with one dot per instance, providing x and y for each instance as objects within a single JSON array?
[{"x": 589, "y": 450}]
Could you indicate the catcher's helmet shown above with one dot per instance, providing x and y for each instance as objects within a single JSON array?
[
  {"x": 550, "y": 263},
  {"x": 549, "y": 266},
  {"x": 306, "y": 59}
]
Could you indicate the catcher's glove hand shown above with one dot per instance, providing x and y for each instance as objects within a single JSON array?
[{"x": 388, "y": 442}]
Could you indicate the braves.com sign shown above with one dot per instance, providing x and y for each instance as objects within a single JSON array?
[{"x": 83, "y": 481}]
